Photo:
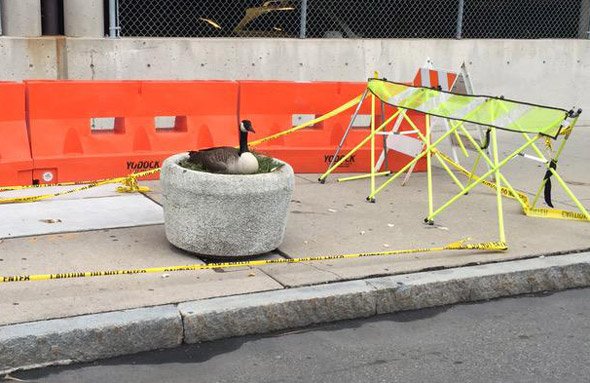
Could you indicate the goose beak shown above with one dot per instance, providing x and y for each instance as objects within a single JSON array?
[{"x": 248, "y": 126}]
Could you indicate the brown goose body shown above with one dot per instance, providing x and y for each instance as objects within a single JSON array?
[
  {"x": 216, "y": 160},
  {"x": 225, "y": 159}
]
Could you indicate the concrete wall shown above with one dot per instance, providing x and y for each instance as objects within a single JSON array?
[
  {"x": 555, "y": 72},
  {"x": 23, "y": 58}
]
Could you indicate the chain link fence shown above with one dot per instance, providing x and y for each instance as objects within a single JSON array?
[{"x": 498, "y": 19}]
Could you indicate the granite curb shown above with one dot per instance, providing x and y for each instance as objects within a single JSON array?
[{"x": 98, "y": 336}]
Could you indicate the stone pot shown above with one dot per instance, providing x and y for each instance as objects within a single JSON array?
[{"x": 225, "y": 215}]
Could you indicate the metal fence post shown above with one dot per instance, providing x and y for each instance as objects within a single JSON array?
[
  {"x": 584, "y": 22},
  {"x": 303, "y": 27},
  {"x": 459, "y": 33},
  {"x": 113, "y": 19}
]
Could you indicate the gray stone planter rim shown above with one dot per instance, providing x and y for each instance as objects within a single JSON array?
[{"x": 176, "y": 158}]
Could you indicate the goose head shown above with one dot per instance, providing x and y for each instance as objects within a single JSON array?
[{"x": 246, "y": 126}]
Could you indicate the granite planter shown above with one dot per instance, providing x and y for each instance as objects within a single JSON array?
[{"x": 223, "y": 215}]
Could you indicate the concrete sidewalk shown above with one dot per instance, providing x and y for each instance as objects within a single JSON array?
[{"x": 103, "y": 230}]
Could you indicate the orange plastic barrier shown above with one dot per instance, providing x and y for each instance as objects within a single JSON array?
[
  {"x": 274, "y": 106},
  {"x": 15, "y": 153},
  {"x": 87, "y": 130}
]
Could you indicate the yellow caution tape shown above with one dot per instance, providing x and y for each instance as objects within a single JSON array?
[
  {"x": 129, "y": 185},
  {"x": 527, "y": 208},
  {"x": 567, "y": 131},
  {"x": 458, "y": 245},
  {"x": 101, "y": 181},
  {"x": 491, "y": 246},
  {"x": 36, "y": 198},
  {"x": 555, "y": 213},
  {"x": 323, "y": 117},
  {"x": 38, "y": 186},
  {"x": 548, "y": 143}
]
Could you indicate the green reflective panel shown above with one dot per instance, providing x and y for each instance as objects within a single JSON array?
[
  {"x": 482, "y": 110},
  {"x": 385, "y": 90},
  {"x": 489, "y": 111},
  {"x": 418, "y": 98},
  {"x": 454, "y": 104},
  {"x": 550, "y": 119}
]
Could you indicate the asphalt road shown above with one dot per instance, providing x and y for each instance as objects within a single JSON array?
[{"x": 524, "y": 339}]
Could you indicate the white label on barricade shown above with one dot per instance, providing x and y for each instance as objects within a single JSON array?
[
  {"x": 102, "y": 123},
  {"x": 165, "y": 122},
  {"x": 298, "y": 119}
]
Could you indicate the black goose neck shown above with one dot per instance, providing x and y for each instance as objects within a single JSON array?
[{"x": 243, "y": 142}]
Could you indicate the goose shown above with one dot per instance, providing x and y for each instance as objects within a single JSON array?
[{"x": 226, "y": 159}]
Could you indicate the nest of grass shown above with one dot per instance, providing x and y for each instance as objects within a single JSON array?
[{"x": 265, "y": 164}]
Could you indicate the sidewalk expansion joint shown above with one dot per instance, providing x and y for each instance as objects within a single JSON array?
[
  {"x": 146, "y": 195},
  {"x": 327, "y": 271},
  {"x": 261, "y": 269}
]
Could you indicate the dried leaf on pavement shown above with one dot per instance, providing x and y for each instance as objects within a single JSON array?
[{"x": 50, "y": 220}]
